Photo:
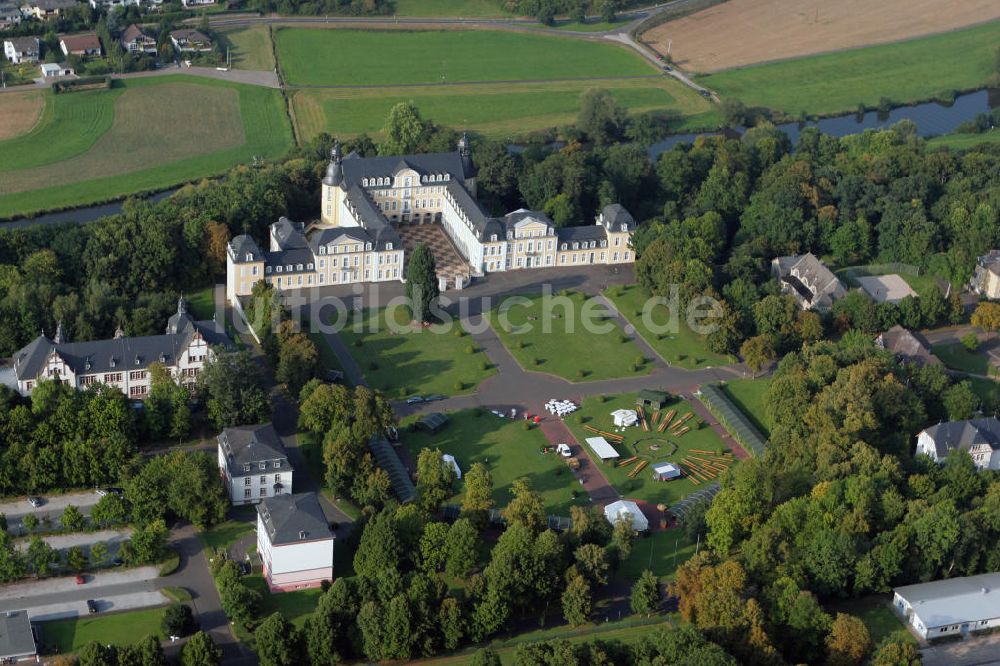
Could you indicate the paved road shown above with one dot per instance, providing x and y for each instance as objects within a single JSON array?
[
  {"x": 54, "y": 505},
  {"x": 976, "y": 651},
  {"x": 249, "y": 77}
]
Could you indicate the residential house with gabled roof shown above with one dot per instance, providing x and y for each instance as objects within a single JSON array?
[
  {"x": 908, "y": 346},
  {"x": 979, "y": 437},
  {"x": 253, "y": 463},
  {"x": 986, "y": 275},
  {"x": 21, "y": 49},
  {"x": 45, "y": 9},
  {"x": 10, "y": 15},
  {"x": 294, "y": 542},
  {"x": 122, "y": 362},
  {"x": 84, "y": 45},
  {"x": 805, "y": 277},
  {"x": 188, "y": 40},
  {"x": 367, "y": 203},
  {"x": 136, "y": 40}
]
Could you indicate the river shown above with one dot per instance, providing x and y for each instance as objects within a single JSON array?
[{"x": 931, "y": 119}]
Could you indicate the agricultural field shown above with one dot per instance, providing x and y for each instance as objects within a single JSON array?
[
  {"x": 250, "y": 47},
  {"x": 910, "y": 71},
  {"x": 498, "y": 110},
  {"x": 20, "y": 112},
  {"x": 681, "y": 347},
  {"x": 508, "y": 450},
  {"x": 159, "y": 131},
  {"x": 403, "y": 359},
  {"x": 596, "y": 412},
  {"x": 553, "y": 339},
  {"x": 392, "y": 57},
  {"x": 738, "y": 33}
]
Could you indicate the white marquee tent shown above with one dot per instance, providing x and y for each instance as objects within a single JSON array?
[
  {"x": 600, "y": 446},
  {"x": 628, "y": 510}
]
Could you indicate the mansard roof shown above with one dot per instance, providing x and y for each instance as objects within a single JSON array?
[
  {"x": 356, "y": 167},
  {"x": 587, "y": 233},
  {"x": 243, "y": 245},
  {"x": 252, "y": 444},
  {"x": 614, "y": 215}
]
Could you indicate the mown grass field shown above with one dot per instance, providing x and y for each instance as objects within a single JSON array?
[
  {"x": 910, "y": 71},
  {"x": 597, "y": 413},
  {"x": 159, "y": 132},
  {"x": 567, "y": 338},
  {"x": 251, "y": 47},
  {"x": 497, "y": 110},
  {"x": 403, "y": 360},
  {"x": 371, "y": 57},
  {"x": 749, "y": 397},
  {"x": 963, "y": 141},
  {"x": 507, "y": 449},
  {"x": 114, "y": 628},
  {"x": 681, "y": 347}
]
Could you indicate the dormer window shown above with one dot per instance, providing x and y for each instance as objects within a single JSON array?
[
  {"x": 288, "y": 268},
  {"x": 624, "y": 227},
  {"x": 563, "y": 246},
  {"x": 137, "y": 361},
  {"x": 249, "y": 256},
  {"x": 493, "y": 238},
  {"x": 309, "y": 267},
  {"x": 298, "y": 267},
  {"x": 364, "y": 182},
  {"x": 277, "y": 268},
  {"x": 388, "y": 246},
  {"x": 113, "y": 362},
  {"x": 447, "y": 176},
  {"x": 368, "y": 246},
  {"x": 267, "y": 269},
  {"x": 246, "y": 468},
  {"x": 322, "y": 249}
]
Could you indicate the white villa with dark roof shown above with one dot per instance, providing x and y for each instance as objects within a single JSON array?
[
  {"x": 366, "y": 202},
  {"x": 805, "y": 277},
  {"x": 979, "y": 437},
  {"x": 253, "y": 464},
  {"x": 294, "y": 542},
  {"x": 122, "y": 362}
]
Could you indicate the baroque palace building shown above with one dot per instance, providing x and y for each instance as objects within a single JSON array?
[{"x": 370, "y": 206}]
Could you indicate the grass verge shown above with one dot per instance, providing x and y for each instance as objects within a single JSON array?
[{"x": 114, "y": 628}]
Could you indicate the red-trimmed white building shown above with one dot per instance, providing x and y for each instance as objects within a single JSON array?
[{"x": 294, "y": 542}]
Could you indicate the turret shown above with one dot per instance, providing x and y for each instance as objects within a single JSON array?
[
  {"x": 334, "y": 170},
  {"x": 60, "y": 334},
  {"x": 465, "y": 150}
]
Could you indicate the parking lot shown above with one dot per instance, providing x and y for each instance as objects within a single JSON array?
[
  {"x": 113, "y": 539},
  {"x": 52, "y": 507},
  {"x": 62, "y": 597}
]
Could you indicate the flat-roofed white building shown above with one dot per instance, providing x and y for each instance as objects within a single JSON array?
[
  {"x": 294, "y": 542},
  {"x": 952, "y": 606}
]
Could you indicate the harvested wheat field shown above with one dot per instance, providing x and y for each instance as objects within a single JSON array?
[
  {"x": 745, "y": 32},
  {"x": 19, "y": 113}
]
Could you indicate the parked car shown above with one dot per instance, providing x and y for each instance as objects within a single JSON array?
[
  {"x": 668, "y": 68},
  {"x": 101, "y": 492},
  {"x": 564, "y": 450},
  {"x": 80, "y": 580},
  {"x": 117, "y": 562},
  {"x": 91, "y": 606},
  {"x": 245, "y": 568},
  {"x": 434, "y": 397},
  {"x": 35, "y": 501},
  {"x": 415, "y": 399}
]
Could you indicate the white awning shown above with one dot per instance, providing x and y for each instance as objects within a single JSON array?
[{"x": 601, "y": 447}]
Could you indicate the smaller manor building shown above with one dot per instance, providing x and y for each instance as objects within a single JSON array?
[
  {"x": 253, "y": 463},
  {"x": 122, "y": 362},
  {"x": 979, "y": 437},
  {"x": 294, "y": 542}
]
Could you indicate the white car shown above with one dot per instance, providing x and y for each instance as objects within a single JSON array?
[{"x": 563, "y": 450}]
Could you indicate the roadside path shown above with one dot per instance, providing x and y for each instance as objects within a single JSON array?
[{"x": 244, "y": 76}]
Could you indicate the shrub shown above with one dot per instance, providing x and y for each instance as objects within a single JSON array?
[
  {"x": 521, "y": 344},
  {"x": 471, "y": 349},
  {"x": 478, "y": 411},
  {"x": 177, "y": 620},
  {"x": 485, "y": 365},
  {"x": 536, "y": 361},
  {"x": 970, "y": 341},
  {"x": 459, "y": 386},
  {"x": 170, "y": 565},
  {"x": 402, "y": 391},
  {"x": 458, "y": 333},
  {"x": 526, "y": 424},
  {"x": 623, "y": 338},
  {"x": 640, "y": 360},
  {"x": 580, "y": 418},
  {"x": 357, "y": 342}
]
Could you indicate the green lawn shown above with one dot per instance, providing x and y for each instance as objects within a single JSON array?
[
  {"x": 404, "y": 359},
  {"x": 201, "y": 304},
  {"x": 250, "y": 48},
  {"x": 637, "y": 442},
  {"x": 99, "y": 145},
  {"x": 957, "y": 357},
  {"x": 881, "y": 622},
  {"x": 226, "y": 533},
  {"x": 115, "y": 628},
  {"x": 964, "y": 141},
  {"x": 495, "y": 110},
  {"x": 914, "y": 70},
  {"x": 661, "y": 552},
  {"x": 509, "y": 451},
  {"x": 988, "y": 391},
  {"x": 295, "y": 605},
  {"x": 748, "y": 395},
  {"x": 551, "y": 337},
  {"x": 360, "y": 57},
  {"x": 681, "y": 347}
]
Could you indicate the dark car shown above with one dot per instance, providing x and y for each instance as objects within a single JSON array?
[
  {"x": 413, "y": 400},
  {"x": 434, "y": 397},
  {"x": 245, "y": 568},
  {"x": 117, "y": 562},
  {"x": 91, "y": 606}
]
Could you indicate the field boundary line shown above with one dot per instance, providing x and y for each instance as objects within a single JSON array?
[{"x": 435, "y": 84}]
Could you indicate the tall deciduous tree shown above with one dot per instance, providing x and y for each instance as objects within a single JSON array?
[
  {"x": 461, "y": 548},
  {"x": 600, "y": 116},
  {"x": 278, "y": 642},
  {"x": 421, "y": 283},
  {"x": 645, "y": 597},
  {"x": 848, "y": 643},
  {"x": 576, "y": 600},
  {"x": 478, "y": 498},
  {"x": 201, "y": 650},
  {"x": 405, "y": 130},
  {"x": 526, "y": 508},
  {"x": 234, "y": 389}
]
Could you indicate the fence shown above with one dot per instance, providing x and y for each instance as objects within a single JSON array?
[
  {"x": 706, "y": 494},
  {"x": 557, "y": 523},
  {"x": 734, "y": 420}
]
